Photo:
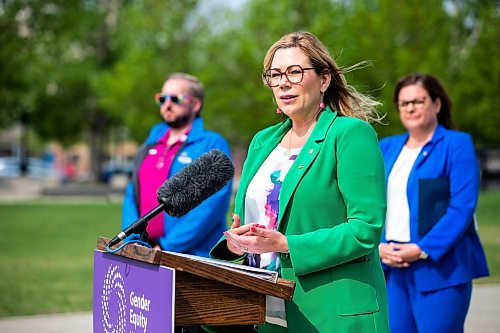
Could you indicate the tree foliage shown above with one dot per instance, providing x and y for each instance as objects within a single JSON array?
[
  {"x": 226, "y": 46},
  {"x": 92, "y": 65}
]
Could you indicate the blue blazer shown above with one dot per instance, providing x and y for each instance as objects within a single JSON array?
[
  {"x": 455, "y": 253},
  {"x": 197, "y": 231}
]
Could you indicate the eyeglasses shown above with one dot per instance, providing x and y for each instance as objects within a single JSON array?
[
  {"x": 417, "y": 103},
  {"x": 294, "y": 74},
  {"x": 176, "y": 99}
]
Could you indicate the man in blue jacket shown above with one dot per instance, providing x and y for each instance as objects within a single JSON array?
[{"x": 171, "y": 146}]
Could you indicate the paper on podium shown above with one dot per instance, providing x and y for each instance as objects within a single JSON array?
[{"x": 259, "y": 273}]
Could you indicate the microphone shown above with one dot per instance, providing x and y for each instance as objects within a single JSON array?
[{"x": 186, "y": 189}]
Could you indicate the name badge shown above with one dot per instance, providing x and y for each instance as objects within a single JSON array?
[{"x": 184, "y": 158}]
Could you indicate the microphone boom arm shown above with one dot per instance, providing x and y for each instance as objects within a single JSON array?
[{"x": 139, "y": 226}]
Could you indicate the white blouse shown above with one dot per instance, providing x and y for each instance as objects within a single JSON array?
[
  {"x": 397, "y": 221},
  {"x": 262, "y": 206}
]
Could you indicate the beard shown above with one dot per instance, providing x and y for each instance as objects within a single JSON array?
[{"x": 181, "y": 120}]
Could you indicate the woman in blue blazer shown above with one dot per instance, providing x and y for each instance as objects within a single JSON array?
[{"x": 430, "y": 248}]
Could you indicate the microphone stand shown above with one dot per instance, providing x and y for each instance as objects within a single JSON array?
[
  {"x": 144, "y": 236},
  {"x": 138, "y": 227}
]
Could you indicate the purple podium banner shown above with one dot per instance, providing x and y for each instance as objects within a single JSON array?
[{"x": 132, "y": 296}]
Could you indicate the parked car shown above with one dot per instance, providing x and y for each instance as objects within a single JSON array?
[
  {"x": 115, "y": 167},
  {"x": 490, "y": 162},
  {"x": 37, "y": 168}
]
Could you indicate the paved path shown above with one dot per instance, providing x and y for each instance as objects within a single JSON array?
[
  {"x": 56, "y": 323},
  {"x": 484, "y": 312},
  {"x": 483, "y": 317}
]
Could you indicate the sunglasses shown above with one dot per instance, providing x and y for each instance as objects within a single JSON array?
[{"x": 176, "y": 99}]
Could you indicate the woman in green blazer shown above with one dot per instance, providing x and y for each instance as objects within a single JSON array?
[{"x": 311, "y": 199}]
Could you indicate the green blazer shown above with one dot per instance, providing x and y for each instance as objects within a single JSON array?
[{"x": 332, "y": 210}]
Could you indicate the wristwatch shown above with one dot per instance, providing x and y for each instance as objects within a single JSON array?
[{"x": 423, "y": 255}]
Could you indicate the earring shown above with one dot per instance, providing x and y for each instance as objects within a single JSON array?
[
  {"x": 321, "y": 104},
  {"x": 278, "y": 110}
]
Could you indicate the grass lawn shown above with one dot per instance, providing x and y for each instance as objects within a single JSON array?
[
  {"x": 47, "y": 259},
  {"x": 488, "y": 219}
]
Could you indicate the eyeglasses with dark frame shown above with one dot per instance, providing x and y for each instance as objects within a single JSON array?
[
  {"x": 294, "y": 74},
  {"x": 161, "y": 99},
  {"x": 417, "y": 103}
]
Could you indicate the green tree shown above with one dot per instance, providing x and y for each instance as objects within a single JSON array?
[
  {"x": 153, "y": 40},
  {"x": 82, "y": 68},
  {"x": 231, "y": 63},
  {"x": 454, "y": 40},
  {"x": 57, "y": 47},
  {"x": 474, "y": 71},
  {"x": 14, "y": 54}
]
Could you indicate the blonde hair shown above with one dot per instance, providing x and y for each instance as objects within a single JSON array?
[
  {"x": 339, "y": 95},
  {"x": 194, "y": 85}
]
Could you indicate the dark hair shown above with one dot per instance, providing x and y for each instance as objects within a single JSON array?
[{"x": 435, "y": 89}]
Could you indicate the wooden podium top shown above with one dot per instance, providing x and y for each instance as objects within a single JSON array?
[{"x": 282, "y": 288}]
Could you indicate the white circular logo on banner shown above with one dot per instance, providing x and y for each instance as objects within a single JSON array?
[{"x": 113, "y": 292}]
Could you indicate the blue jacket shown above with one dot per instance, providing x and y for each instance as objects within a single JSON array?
[
  {"x": 197, "y": 231},
  {"x": 455, "y": 252}
]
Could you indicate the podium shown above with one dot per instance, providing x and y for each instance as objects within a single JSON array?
[{"x": 204, "y": 293}]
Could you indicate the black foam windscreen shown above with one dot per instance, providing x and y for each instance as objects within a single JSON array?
[{"x": 195, "y": 183}]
